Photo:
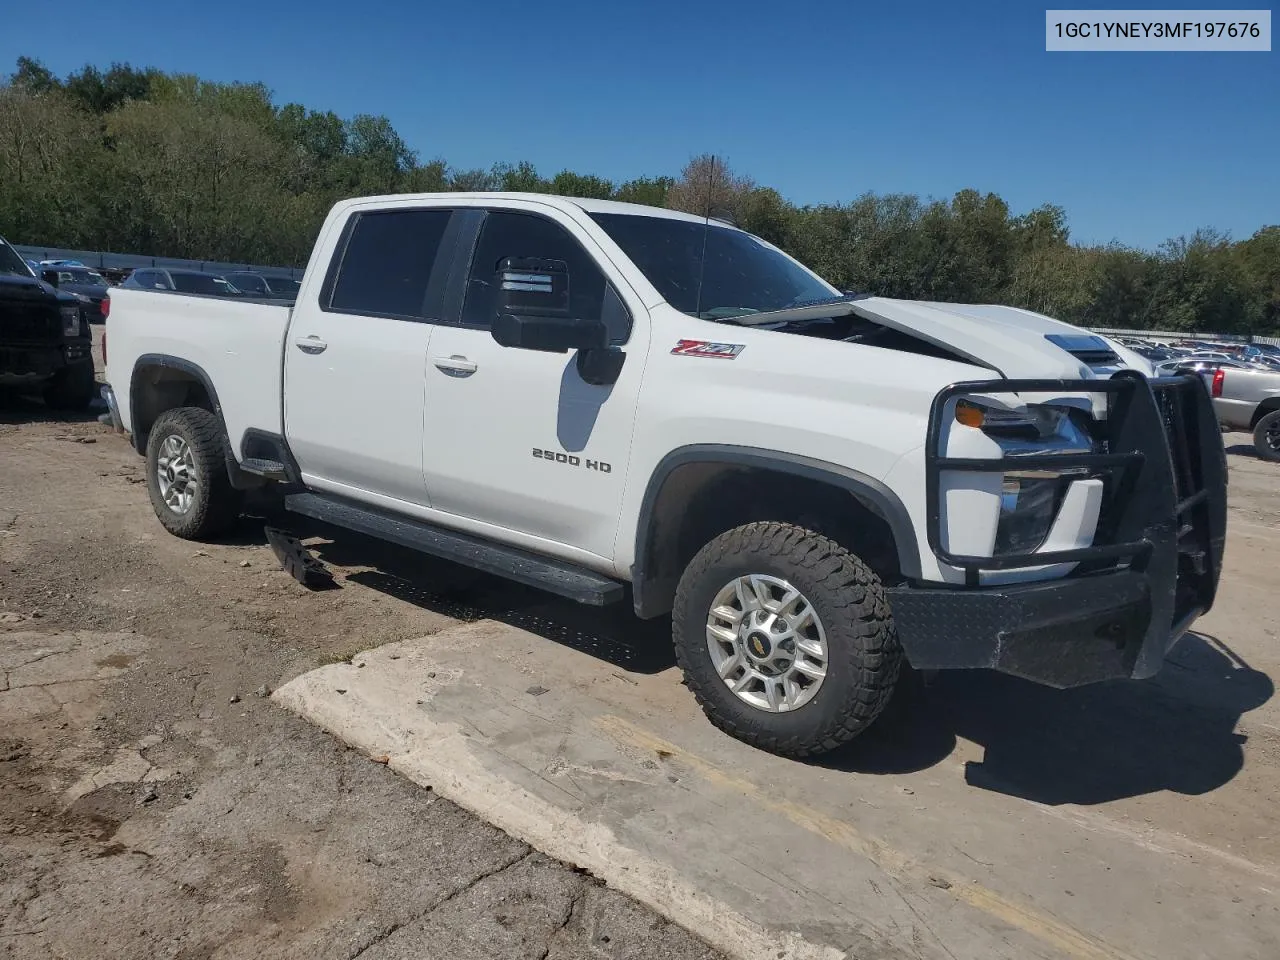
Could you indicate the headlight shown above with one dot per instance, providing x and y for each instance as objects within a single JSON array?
[
  {"x": 1029, "y": 499},
  {"x": 1037, "y": 428},
  {"x": 70, "y": 321}
]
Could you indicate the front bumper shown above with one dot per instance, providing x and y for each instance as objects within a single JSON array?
[
  {"x": 1063, "y": 633},
  {"x": 36, "y": 362},
  {"x": 112, "y": 416},
  {"x": 1152, "y": 570}
]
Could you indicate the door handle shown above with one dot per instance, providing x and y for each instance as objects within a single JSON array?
[
  {"x": 454, "y": 364},
  {"x": 311, "y": 344}
]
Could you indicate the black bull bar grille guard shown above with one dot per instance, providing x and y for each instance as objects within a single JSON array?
[{"x": 1162, "y": 522}]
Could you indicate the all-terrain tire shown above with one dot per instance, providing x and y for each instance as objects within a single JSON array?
[
  {"x": 71, "y": 388},
  {"x": 1266, "y": 434},
  {"x": 215, "y": 504},
  {"x": 863, "y": 653}
]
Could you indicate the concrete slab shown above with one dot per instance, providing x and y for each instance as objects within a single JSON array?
[{"x": 619, "y": 773}]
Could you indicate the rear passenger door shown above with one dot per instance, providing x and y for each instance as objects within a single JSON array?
[{"x": 355, "y": 356}]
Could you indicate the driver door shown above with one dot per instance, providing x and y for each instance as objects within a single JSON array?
[{"x": 516, "y": 441}]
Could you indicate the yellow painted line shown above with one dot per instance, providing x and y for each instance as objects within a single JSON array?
[{"x": 1044, "y": 927}]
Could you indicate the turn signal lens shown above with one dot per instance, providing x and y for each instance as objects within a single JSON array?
[{"x": 969, "y": 414}]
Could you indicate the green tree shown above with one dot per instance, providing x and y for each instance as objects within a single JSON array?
[
  {"x": 650, "y": 191},
  {"x": 139, "y": 161},
  {"x": 566, "y": 183}
]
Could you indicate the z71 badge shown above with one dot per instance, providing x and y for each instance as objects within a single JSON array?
[{"x": 705, "y": 348}]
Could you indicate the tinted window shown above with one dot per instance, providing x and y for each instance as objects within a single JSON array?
[
  {"x": 143, "y": 278},
  {"x": 743, "y": 275},
  {"x": 248, "y": 282},
  {"x": 387, "y": 262},
  {"x": 86, "y": 277},
  {"x": 524, "y": 235},
  {"x": 11, "y": 263},
  {"x": 202, "y": 283}
]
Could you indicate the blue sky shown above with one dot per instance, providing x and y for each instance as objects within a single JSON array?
[{"x": 824, "y": 101}]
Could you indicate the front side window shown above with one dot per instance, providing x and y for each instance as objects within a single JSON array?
[
  {"x": 507, "y": 234},
  {"x": 743, "y": 274},
  {"x": 387, "y": 262},
  {"x": 11, "y": 264}
]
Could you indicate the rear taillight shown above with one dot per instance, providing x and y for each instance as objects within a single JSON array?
[
  {"x": 1218, "y": 376},
  {"x": 104, "y": 346},
  {"x": 106, "y": 307}
]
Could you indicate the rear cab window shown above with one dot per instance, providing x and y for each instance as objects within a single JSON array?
[{"x": 384, "y": 263}]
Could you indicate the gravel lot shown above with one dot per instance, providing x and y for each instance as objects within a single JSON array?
[{"x": 154, "y": 803}]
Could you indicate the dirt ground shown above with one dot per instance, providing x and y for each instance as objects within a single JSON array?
[{"x": 154, "y": 803}]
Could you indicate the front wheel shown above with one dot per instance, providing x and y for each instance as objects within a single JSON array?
[
  {"x": 785, "y": 638},
  {"x": 187, "y": 474},
  {"x": 1266, "y": 436}
]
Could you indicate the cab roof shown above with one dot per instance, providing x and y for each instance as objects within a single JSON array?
[{"x": 568, "y": 204}]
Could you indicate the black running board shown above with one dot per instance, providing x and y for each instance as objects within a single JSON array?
[{"x": 554, "y": 576}]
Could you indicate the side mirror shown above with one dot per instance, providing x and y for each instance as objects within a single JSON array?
[
  {"x": 532, "y": 287},
  {"x": 533, "y": 308},
  {"x": 549, "y": 334},
  {"x": 50, "y": 277}
]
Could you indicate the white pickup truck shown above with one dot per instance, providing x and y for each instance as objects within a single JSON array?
[{"x": 614, "y": 402}]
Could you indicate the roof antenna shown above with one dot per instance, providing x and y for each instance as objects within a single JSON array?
[{"x": 706, "y": 228}]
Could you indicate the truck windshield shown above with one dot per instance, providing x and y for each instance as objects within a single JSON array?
[
  {"x": 11, "y": 264},
  {"x": 86, "y": 277},
  {"x": 743, "y": 274}
]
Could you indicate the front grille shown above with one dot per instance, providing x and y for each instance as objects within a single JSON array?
[{"x": 29, "y": 322}]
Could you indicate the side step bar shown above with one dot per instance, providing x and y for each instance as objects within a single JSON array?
[{"x": 554, "y": 576}]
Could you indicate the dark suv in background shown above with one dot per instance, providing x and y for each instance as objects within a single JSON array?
[
  {"x": 86, "y": 285},
  {"x": 261, "y": 285},
  {"x": 44, "y": 337},
  {"x": 182, "y": 281}
]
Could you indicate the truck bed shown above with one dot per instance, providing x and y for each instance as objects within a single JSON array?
[{"x": 237, "y": 343}]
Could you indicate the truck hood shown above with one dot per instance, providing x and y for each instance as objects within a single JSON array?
[
  {"x": 1015, "y": 343},
  {"x": 28, "y": 289}
]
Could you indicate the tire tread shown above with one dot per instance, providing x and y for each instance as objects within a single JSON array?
[
  {"x": 218, "y": 505},
  {"x": 856, "y": 612}
]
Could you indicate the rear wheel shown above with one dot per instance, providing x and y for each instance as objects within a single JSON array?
[
  {"x": 1266, "y": 436},
  {"x": 187, "y": 474},
  {"x": 71, "y": 388},
  {"x": 785, "y": 638}
]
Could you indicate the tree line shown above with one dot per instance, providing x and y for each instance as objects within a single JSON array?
[{"x": 139, "y": 161}]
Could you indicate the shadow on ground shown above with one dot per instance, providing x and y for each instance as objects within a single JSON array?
[
  {"x": 611, "y": 634},
  {"x": 1087, "y": 745},
  {"x": 19, "y": 408},
  {"x": 1246, "y": 450}
]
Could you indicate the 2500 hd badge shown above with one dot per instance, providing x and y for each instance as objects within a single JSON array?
[{"x": 569, "y": 459}]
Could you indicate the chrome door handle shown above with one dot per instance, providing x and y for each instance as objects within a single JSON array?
[
  {"x": 311, "y": 344},
  {"x": 454, "y": 364}
]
